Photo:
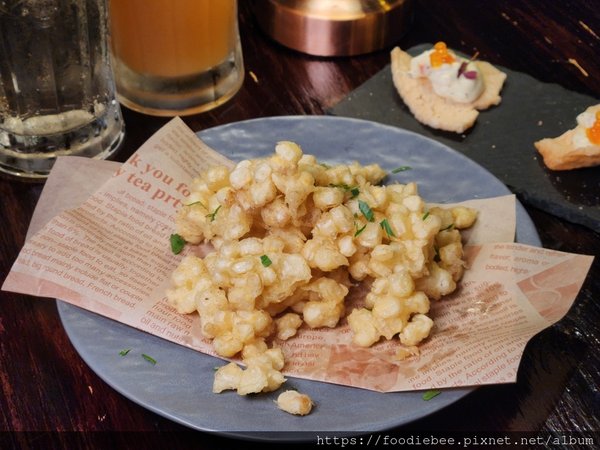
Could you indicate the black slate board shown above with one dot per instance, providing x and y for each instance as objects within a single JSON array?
[{"x": 502, "y": 138}]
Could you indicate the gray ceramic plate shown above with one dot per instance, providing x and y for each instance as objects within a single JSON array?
[{"x": 179, "y": 385}]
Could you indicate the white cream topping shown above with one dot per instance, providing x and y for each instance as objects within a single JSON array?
[
  {"x": 445, "y": 79},
  {"x": 584, "y": 120}
]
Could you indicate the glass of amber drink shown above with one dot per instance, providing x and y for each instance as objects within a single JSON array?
[{"x": 175, "y": 57}]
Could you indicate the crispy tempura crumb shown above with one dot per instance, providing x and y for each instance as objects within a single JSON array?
[{"x": 294, "y": 402}]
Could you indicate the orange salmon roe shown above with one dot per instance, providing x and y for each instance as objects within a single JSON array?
[
  {"x": 593, "y": 132},
  {"x": 440, "y": 55}
]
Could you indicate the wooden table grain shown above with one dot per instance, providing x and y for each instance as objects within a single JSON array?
[{"x": 51, "y": 399}]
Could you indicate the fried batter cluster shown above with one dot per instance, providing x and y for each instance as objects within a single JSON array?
[{"x": 290, "y": 237}]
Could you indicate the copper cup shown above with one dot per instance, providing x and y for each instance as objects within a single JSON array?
[{"x": 334, "y": 27}]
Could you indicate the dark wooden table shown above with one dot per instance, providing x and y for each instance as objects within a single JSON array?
[{"x": 46, "y": 387}]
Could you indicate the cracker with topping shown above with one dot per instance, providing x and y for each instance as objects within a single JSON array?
[
  {"x": 575, "y": 148},
  {"x": 439, "y": 112}
]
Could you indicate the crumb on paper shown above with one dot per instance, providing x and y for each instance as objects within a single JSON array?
[
  {"x": 91, "y": 389},
  {"x": 253, "y": 76},
  {"x": 540, "y": 123},
  {"x": 406, "y": 352},
  {"x": 576, "y": 64},
  {"x": 102, "y": 418},
  {"x": 588, "y": 29},
  {"x": 548, "y": 40}
]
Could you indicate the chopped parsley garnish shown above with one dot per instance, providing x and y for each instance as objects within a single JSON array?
[
  {"x": 352, "y": 189},
  {"x": 196, "y": 203},
  {"x": 401, "y": 169},
  {"x": 366, "y": 211},
  {"x": 177, "y": 243},
  {"x": 360, "y": 230},
  {"x": 150, "y": 359},
  {"x": 449, "y": 227},
  {"x": 124, "y": 351},
  {"x": 213, "y": 214},
  {"x": 426, "y": 215},
  {"x": 430, "y": 394},
  {"x": 387, "y": 228},
  {"x": 265, "y": 260}
]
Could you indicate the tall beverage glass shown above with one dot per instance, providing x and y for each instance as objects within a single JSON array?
[
  {"x": 57, "y": 92},
  {"x": 175, "y": 57}
]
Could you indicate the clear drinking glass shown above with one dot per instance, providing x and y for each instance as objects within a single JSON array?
[
  {"x": 175, "y": 57},
  {"x": 57, "y": 93}
]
